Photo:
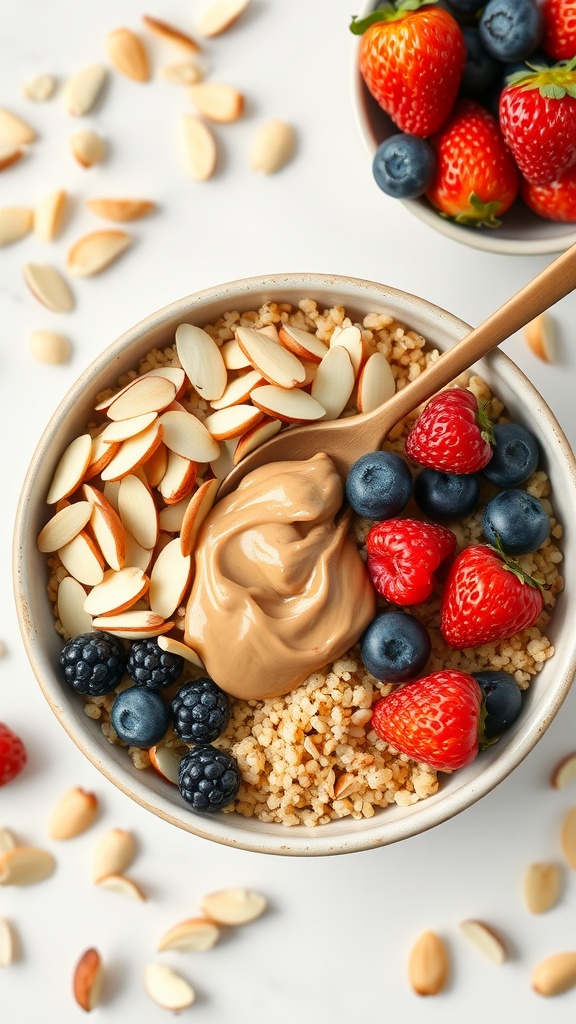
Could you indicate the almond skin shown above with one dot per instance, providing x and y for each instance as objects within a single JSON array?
[{"x": 428, "y": 965}]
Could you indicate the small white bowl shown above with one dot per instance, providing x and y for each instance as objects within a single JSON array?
[
  {"x": 521, "y": 232},
  {"x": 43, "y": 645}
]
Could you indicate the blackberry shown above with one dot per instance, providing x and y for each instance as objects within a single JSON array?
[
  {"x": 93, "y": 663},
  {"x": 201, "y": 711},
  {"x": 148, "y": 665},
  {"x": 209, "y": 779}
]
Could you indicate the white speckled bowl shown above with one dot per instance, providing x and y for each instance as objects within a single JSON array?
[{"x": 43, "y": 646}]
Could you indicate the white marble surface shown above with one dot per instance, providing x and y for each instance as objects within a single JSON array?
[{"x": 334, "y": 944}]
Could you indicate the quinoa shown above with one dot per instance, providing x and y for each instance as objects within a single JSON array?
[{"x": 310, "y": 756}]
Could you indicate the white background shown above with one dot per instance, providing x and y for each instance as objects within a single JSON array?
[{"x": 334, "y": 944}]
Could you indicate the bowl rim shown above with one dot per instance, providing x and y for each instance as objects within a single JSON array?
[{"x": 276, "y": 839}]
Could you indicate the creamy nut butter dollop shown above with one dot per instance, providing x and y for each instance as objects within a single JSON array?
[{"x": 280, "y": 589}]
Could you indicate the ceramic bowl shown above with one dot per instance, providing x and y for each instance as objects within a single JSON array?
[{"x": 457, "y": 791}]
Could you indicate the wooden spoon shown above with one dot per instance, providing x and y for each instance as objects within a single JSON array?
[{"x": 345, "y": 440}]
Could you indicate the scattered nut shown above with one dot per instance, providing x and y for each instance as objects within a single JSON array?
[
  {"x": 120, "y": 209},
  {"x": 93, "y": 252},
  {"x": 185, "y": 72},
  {"x": 8, "y": 944},
  {"x": 233, "y": 906},
  {"x": 485, "y": 939},
  {"x": 88, "y": 148},
  {"x": 568, "y": 837},
  {"x": 542, "y": 883},
  {"x": 123, "y": 885},
  {"x": 428, "y": 965},
  {"x": 25, "y": 865},
  {"x": 50, "y": 214},
  {"x": 217, "y": 101},
  {"x": 555, "y": 975},
  {"x": 196, "y": 934},
  {"x": 540, "y": 335},
  {"x": 15, "y": 223},
  {"x": 197, "y": 147},
  {"x": 220, "y": 15},
  {"x": 83, "y": 90},
  {"x": 128, "y": 54},
  {"x": 170, "y": 33},
  {"x": 272, "y": 147},
  {"x": 49, "y": 347},
  {"x": 564, "y": 772},
  {"x": 48, "y": 286},
  {"x": 73, "y": 814},
  {"x": 114, "y": 853},
  {"x": 13, "y": 130},
  {"x": 39, "y": 88},
  {"x": 88, "y": 979},
  {"x": 166, "y": 988},
  {"x": 7, "y": 840},
  {"x": 9, "y": 154}
]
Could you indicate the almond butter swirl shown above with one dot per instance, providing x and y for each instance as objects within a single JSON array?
[{"x": 280, "y": 589}]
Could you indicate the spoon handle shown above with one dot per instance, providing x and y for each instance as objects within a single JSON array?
[{"x": 552, "y": 284}]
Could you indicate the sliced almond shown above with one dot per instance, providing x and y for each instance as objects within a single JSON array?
[
  {"x": 428, "y": 965},
  {"x": 485, "y": 939},
  {"x": 197, "y": 509},
  {"x": 201, "y": 360},
  {"x": 138, "y": 511},
  {"x": 121, "y": 884},
  {"x": 169, "y": 579},
  {"x": 346, "y": 784},
  {"x": 272, "y": 147},
  {"x": 302, "y": 343},
  {"x": 542, "y": 884},
  {"x": 73, "y": 814},
  {"x": 25, "y": 865},
  {"x": 70, "y": 470},
  {"x": 166, "y": 988},
  {"x": 121, "y": 209},
  {"x": 334, "y": 382},
  {"x": 83, "y": 89},
  {"x": 187, "y": 436},
  {"x": 351, "y": 339},
  {"x": 88, "y": 148},
  {"x": 121, "y": 430},
  {"x": 92, "y": 253},
  {"x": 233, "y": 356},
  {"x": 119, "y": 590},
  {"x": 233, "y": 906},
  {"x": 568, "y": 837},
  {"x": 165, "y": 759},
  {"x": 137, "y": 555},
  {"x": 39, "y": 88},
  {"x": 83, "y": 560},
  {"x": 540, "y": 335},
  {"x": 48, "y": 286},
  {"x": 10, "y": 153},
  {"x": 107, "y": 527},
  {"x": 88, "y": 979},
  {"x": 102, "y": 454},
  {"x": 224, "y": 464},
  {"x": 197, "y": 934},
  {"x": 143, "y": 395},
  {"x": 564, "y": 772},
  {"x": 170, "y": 33},
  {"x": 114, "y": 852},
  {"x": 179, "y": 479},
  {"x": 196, "y": 147},
  {"x": 128, "y": 54},
  {"x": 13, "y": 130},
  {"x": 167, "y": 643},
  {"x": 185, "y": 72},
  {"x": 376, "y": 383},
  {"x": 238, "y": 390},
  {"x": 133, "y": 453},
  {"x": 293, "y": 406},
  {"x": 49, "y": 347},
  {"x": 70, "y": 605},
  {"x": 133, "y": 625},
  {"x": 276, "y": 364},
  {"x": 232, "y": 422},
  {"x": 220, "y": 15},
  {"x": 155, "y": 468},
  {"x": 174, "y": 373},
  {"x": 171, "y": 517},
  {"x": 8, "y": 840},
  {"x": 252, "y": 439},
  {"x": 50, "y": 214},
  {"x": 8, "y": 944},
  {"x": 217, "y": 101},
  {"x": 110, "y": 492},
  {"x": 15, "y": 223},
  {"x": 64, "y": 526},
  {"x": 555, "y": 975}
]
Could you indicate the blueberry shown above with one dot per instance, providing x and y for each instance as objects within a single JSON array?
[
  {"x": 379, "y": 485},
  {"x": 481, "y": 71},
  {"x": 446, "y": 496},
  {"x": 148, "y": 665},
  {"x": 140, "y": 716},
  {"x": 395, "y": 647},
  {"x": 511, "y": 29},
  {"x": 209, "y": 779},
  {"x": 515, "y": 456},
  {"x": 201, "y": 711},
  {"x": 502, "y": 701},
  {"x": 404, "y": 166},
  {"x": 517, "y": 521}
]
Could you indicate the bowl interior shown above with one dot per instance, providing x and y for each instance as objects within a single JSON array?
[{"x": 43, "y": 644}]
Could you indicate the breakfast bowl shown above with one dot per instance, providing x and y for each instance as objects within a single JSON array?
[{"x": 146, "y": 785}]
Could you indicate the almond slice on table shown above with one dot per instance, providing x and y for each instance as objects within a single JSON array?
[
  {"x": 8, "y": 943},
  {"x": 272, "y": 147},
  {"x": 428, "y": 965},
  {"x": 121, "y": 209},
  {"x": 166, "y": 988},
  {"x": 83, "y": 89},
  {"x": 10, "y": 154},
  {"x": 121, "y": 884},
  {"x": 143, "y": 395},
  {"x": 133, "y": 625},
  {"x": 13, "y": 130},
  {"x": 128, "y": 54},
  {"x": 568, "y": 837},
  {"x": 169, "y": 579},
  {"x": 39, "y": 88},
  {"x": 197, "y": 509},
  {"x": 136, "y": 555},
  {"x": 179, "y": 479},
  {"x": 185, "y": 72},
  {"x": 217, "y": 101},
  {"x": 276, "y": 364},
  {"x": 156, "y": 466},
  {"x": 167, "y": 643},
  {"x": 564, "y": 772},
  {"x": 197, "y": 934},
  {"x": 107, "y": 527},
  {"x": 25, "y": 865},
  {"x": 73, "y": 814},
  {"x": 88, "y": 980},
  {"x": 170, "y": 33},
  {"x": 196, "y": 147},
  {"x": 48, "y": 286},
  {"x": 542, "y": 885},
  {"x": 233, "y": 356},
  {"x": 138, "y": 511},
  {"x": 540, "y": 335},
  {"x": 83, "y": 560},
  {"x": 88, "y": 148},
  {"x": 485, "y": 939},
  {"x": 50, "y": 214},
  {"x": 102, "y": 454},
  {"x": 334, "y": 382},
  {"x": 291, "y": 406},
  {"x": 351, "y": 339},
  {"x": 555, "y": 975},
  {"x": 118, "y": 591},
  {"x": 71, "y": 468},
  {"x": 376, "y": 382},
  {"x": 133, "y": 453},
  {"x": 187, "y": 436},
  {"x": 70, "y": 604},
  {"x": 94, "y": 252},
  {"x": 302, "y": 343},
  {"x": 253, "y": 438},
  {"x": 164, "y": 759},
  {"x": 233, "y": 906},
  {"x": 219, "y": 16},
  {"x": 15, "y": 223},
  {"x": 232, "y": 421},
  {"x": 121, "y": 430},
  {"x": 201, "y": 360},
  {"x": 238, "y": 390},
  {"x": 114, "y": 852},
  {"x": 64, "y": 526}
]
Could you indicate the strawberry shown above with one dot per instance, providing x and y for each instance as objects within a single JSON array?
[
  {"x": 556, "y": 201},
  {"x": 435, "y": 720},
  {"x": 537, "y": 112},
  {"x": 13, "y": 755},
  {"x": 476, "y": 178},
  {"x": 487, "y": 597},
  {"x": 403, "y": 555},
  {"x": 451, "y": 434},
  {"x": 411, "y": 58},
  {"x": 559, "y": 39}
]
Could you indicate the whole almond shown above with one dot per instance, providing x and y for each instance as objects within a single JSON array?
[
  {"x": 568, "y": 837},
  {"x": 15, "y": 223},
  {"x": 95, "y": 251},
  {"x": 88, "y": 148},
  {"x": 428, "y": 965},
  {"x": 13, "y": 130},
  {"x": 83, "y": 89},
  {"x": 87, "y": 980},
  {"x": 114, "y": 853},
  {"x": 542, "y": 883},
  {"x": 49, "y": 347},
  {"x": 25, "y": 865},
  {"x": 128, "y": 54},
  {"x": 73, "y": 814},
  {"x": 555, "y": 975},
  {"x": 272, "y": 147},
  {"x": 120, "y": 209}
]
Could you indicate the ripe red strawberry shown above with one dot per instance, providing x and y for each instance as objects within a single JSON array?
[
  {"x": 556, "y": 201},
  {"x": 411, "y": 58},
  {"x": 559, "y": 39},
  {"x": 451, "y": 434},
  {"x": 13, "y": 755},
  {"x": 435, "y": 720},
  {"x": 537, "y": 114},
  {"x": 476, "y": 178},
  {"x": 403, "y": 555},
  {"x": 486, "y": 598}
]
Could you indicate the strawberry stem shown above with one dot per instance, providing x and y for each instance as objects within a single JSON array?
[
  {"x": 514, "y": 567},
  {"x": 553, "y": 83},
  {"x": 387, "y": 12},
  {"x": 485, "y": 423}
]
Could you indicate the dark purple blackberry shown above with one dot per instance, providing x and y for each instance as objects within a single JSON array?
[
  {"x": 148, "y": 665},
  {"x": 201, "y": 711},
  {"x": 209, "y": 779},
  {"x": 93, "y": 663}
]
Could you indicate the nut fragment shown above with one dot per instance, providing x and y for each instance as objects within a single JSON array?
[
  {"x": 428, "y": 965},
  {"x": 185, "y": 72},
  {"x": 128, "y": 54},
  {"x": 7, "y": 840},
  {"x": 555, "y": 975},
  {"x": 542, "y": 883},
  {"x": 170, "y": 33},
  {"x": 272, "y": 147},
  {"x": 540, "y": 335},
  {"x": 220, "y": 15},
  {"x": 121, "y": 884},
  {"x": 83, "y": 89},
  {"x": 48, "y": 286},
  {"x": 70, "y": 603},
  {"x": 39, "y": 88},
  {"x": 114, "y": 852},
  {"x": 13, "y": 130},
  {"x": 9, "y": 154},
  {"x": 197, "y": 934},
  {"x": 15, "y": 223},
  {"x": 568, "y": 837},
  {"x": 167, "y": 988},
  {"x": 8, "y": 944},
  {"x": 88, "y": 978},
  {"x": 216, "y": 101},
  {"x": 88, "y": 148},
  {"x": 120, "y": 209},
  {"x": 49, "y": 215},
  {"x": 94, "y": 252},
  {"x": 485, "y": 939},
  {"x": 73, "y": 814},
  {"x": 25, "y": 865},
  {"x": 164, "y": 759},
  {"x": 564, "y": 772},
  {"x": 233, "y": 906},
  {"x": 196, "y": 147}
]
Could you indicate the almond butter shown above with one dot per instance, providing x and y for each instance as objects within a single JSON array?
[
  {"x": 128, "y": 54},
  {"x": 272, "y": 147},
  {"x": 485, "y": 939},
  {"x": 83, "y": 89},
  {"x": 219, "y": 15},
  {"x": 555, "y": 975},
  {"x": 73, "y": 814},
  {"x": 88, "y": 979},
  {"x": 542, "y": 884},
  {"x": 217, "y": 101},
  {"x": 114, "y": 853},
  {"x": 15, "y": 223},
  {"x": 196, "y": 147},
  {"x": 196, "y": 934},
  {"x": 166, "y": 988},
  {"x": 121, "y": 209},
  {"x": 48, "y": 286},
  {"x": 25, "y": 865},
  {"x": 428, "y": 964},
  {"x": 94, "y": 252},
  {"x": 170, "y": 33},
  {"x": 233, "y": 906},
  {"x": 88, "y": 148},
  {"x": 13, "y": 130}
]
